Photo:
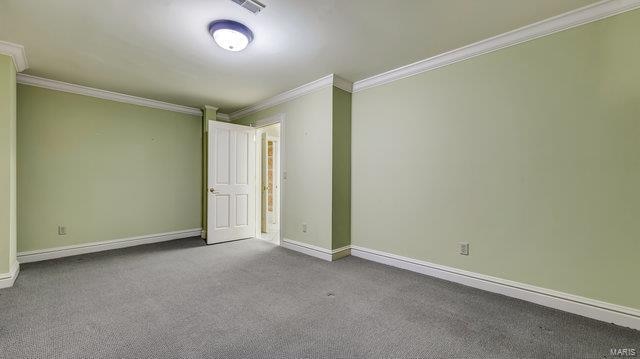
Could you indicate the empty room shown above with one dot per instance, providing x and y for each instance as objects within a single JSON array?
[{"x": 319, "y": 179}]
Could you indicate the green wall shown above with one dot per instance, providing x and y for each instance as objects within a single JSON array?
[
  {"x": 341, "y": 169},
  {"x": 106, "y": 170},
  {"x": 7, "y": 164},
  {"x": 318, "y": 164},
  {"x": 308, "y": 162},
  {"x": 530, "y": 154}
]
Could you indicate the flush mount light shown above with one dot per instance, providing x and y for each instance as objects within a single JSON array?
[{"x": 230, "y": 35}]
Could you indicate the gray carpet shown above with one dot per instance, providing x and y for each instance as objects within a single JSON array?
[{"x": 249, "y": 299}]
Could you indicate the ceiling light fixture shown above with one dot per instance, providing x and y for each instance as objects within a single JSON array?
[{"x": 230, "y": 35}]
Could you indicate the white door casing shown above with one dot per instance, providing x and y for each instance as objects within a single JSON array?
[{"x": 231, "y": 196}]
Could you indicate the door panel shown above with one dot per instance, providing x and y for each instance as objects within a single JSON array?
[
  {"x": 231, "y": 200},
  {"x": 242, "y": 153},
  {"x": 242, "y": 210},
  {"x": 223, "y": 206},
  {"x": 221, "y": 139}
]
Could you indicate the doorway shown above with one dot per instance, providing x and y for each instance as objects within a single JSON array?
[
  {"x": 269, "y": 178},
  {"x": 269, "y": 181},
  {"x": 246, "y": 175}
]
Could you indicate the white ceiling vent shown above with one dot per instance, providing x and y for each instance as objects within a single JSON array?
[{"x": 251, "y": 5}]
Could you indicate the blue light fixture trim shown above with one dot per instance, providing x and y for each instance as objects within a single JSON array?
[{"x": 231, "y": 25}]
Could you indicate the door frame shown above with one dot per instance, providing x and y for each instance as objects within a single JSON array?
[
  {"x": 277, "y": 179},
  {"x": 265, "y": 138},
  {"x": 272, "y": 120}
]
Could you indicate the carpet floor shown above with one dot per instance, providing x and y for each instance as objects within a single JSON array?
[{"x": 251, "y": 299}]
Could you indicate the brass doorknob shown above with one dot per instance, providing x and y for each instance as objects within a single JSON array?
[{"x": 212, "y": 190}]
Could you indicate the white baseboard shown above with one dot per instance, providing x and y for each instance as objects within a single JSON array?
[
  {"x": 307, "y": 249},
  {"x": 59, "y": 252},
  {"x": 7, "y": 279},
  {"x": 341, "y": 252},
  {"x": 606, "y": 312},
  {"x": 315, "y": 251}
]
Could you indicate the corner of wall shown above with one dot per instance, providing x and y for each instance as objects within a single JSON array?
[
  {"x": 209, "y": 113},
  {"x": 13, "y": 203},
  {"x": 341, "y": 169},
  {"x": 8, "y": 222}
]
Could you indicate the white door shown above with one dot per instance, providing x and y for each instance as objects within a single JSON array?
[{"x": 231, "y": 199}]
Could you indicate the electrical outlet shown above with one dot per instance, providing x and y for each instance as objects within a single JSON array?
[
  {"x": 62, "y": 230},
  {"x": 304, "y": 228},
  {"x": 464, "y": 249}
]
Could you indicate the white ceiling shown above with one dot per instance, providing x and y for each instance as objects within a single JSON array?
[{"x": 160, "y": 49}]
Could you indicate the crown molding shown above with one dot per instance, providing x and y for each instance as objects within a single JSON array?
[
  {"x": 284, "y": 97},
  {"x": 329, "y": 80},
  {"x": 223, "y": 117},
  {"x": 342, "y": 84},
  {"x": 103, "y": 94},
  {"x": 571, "y": 19},
  {"x": 17, "y": 54}
]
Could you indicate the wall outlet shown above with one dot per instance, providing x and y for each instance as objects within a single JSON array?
[
  {"x": 304, "y": 228},
  {"x": 62, "y": 230},
  {"x": 464, "y": 249}
]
